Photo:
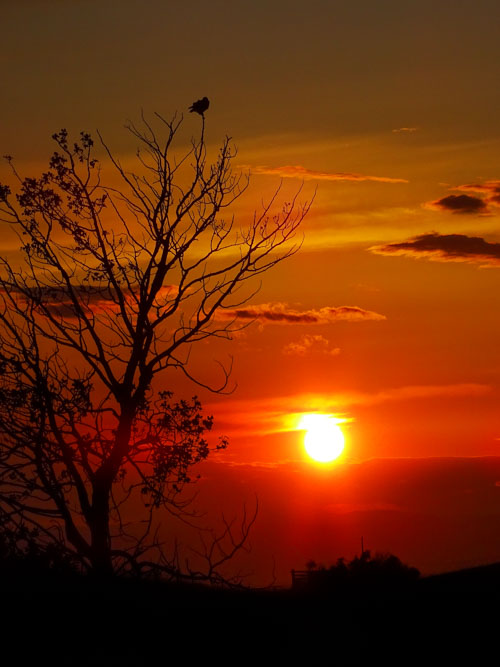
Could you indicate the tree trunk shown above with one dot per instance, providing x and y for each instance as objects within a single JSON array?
[{"x": 100, "y": 558}]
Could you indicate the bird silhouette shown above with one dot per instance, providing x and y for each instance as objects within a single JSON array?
[{"x": 200, "y": 106}]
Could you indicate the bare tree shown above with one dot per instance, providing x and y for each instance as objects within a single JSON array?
[{"x": 111, "y": 287}]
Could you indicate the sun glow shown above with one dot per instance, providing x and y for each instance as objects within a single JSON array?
[{"x": 323, "y": 440}]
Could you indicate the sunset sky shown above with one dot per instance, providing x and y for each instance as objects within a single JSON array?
[{"x": 388, "y": 317}]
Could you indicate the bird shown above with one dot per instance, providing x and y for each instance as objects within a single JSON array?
[{"x": 200, "y": 106}]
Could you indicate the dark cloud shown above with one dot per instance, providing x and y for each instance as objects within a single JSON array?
[
  {"x": 460, "y": 204},
  {"x": 445, "y": 248},
  {"x": 489, "y": 188},
  {"x": 281, "y": 313},
  {"x": 56, "y": 300},
  {"x": 489, "y": 196}
]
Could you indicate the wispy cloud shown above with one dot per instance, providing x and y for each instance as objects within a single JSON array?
[
  {"x": 281, "y": 313},
  {"x": 297, "y": 171},
  {"x": 351, "y": 508},
  {"x": 445, "y": 248},
  {"x": 397, "y": 130},
  {"x": 310, "y": 343},
  {"x": 282, "y": 413},
  {"x": 426, "y": 391}
]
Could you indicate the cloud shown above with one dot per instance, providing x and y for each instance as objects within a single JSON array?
[
  {"x": 489, "y": 192},
  {"x": 296, "y": 171},
  {"x": 461, "y": 204},
  {"x": 405, "y": 129},
  {"x": 426, "y": 391},
  {"x": 445, "y": 248},
  {"x": 309, "y": 343},
  {"x": 56, "y": 300},
  {"x": 490, "y": 188},
  {"x": 279, "y": 414},
  {"x": 281, "y": 313},
  {"x": 354, "y": 507}
]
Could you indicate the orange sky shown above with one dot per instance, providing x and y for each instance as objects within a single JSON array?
[{"x": 390, "y": 313}]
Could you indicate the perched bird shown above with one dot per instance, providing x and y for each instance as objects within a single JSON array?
[{"x": 200, "y": 106}]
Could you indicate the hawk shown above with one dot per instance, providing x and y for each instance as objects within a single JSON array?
[{"x": 200, "y": 106}]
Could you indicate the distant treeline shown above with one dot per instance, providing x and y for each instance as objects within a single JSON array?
[{"x": 364, "y": 571}]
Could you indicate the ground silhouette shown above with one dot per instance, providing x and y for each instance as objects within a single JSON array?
[{"x": 81, "y": 621}]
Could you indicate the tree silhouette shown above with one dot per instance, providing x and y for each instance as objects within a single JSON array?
[{"x": 111, "y": 287}]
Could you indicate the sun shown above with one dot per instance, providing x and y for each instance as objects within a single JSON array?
[{"x": 324, "y": 440}]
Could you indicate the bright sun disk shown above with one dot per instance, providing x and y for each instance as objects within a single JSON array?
[{"x": 324, "y": 440}]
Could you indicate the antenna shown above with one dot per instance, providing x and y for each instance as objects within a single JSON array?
[{"x": 362, "y": 547}]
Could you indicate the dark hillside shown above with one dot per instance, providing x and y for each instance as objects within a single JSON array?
[{"x": 76, "y": 621}]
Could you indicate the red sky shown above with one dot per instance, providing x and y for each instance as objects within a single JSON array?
[{"x": 389, "y": 315}]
